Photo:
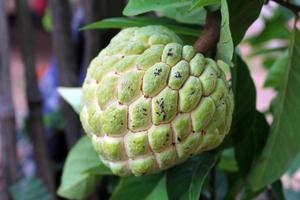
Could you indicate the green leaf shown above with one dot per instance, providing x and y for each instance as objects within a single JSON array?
[
  {"x": 185, "y": 181},
  {"x": 76, "y": 183},
  {"x": 152, "y": 187},
  {"x": 245, "y": 100},
  {"x": 183, "y": 14},
  {"x": 277, "y": 71},
  {"x": 225, "y": 44},
  {"x": 72, "y": 96},
  {"x": 136, "y": 7},
  {"x": 283, "y": 143},
  {"x": 178, "y": 10},
  {"x": 123, "y": 22},
  {"x": 202, "y": 3},
  {"x": 227, "y": 161},
  {"x": 249, "y": 148},
  {"x": 242, "y": 14}
]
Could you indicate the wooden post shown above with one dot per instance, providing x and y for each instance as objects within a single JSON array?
[
  {"x": 34, "y": 100},
  {"x": 8, "y": 158},
  {"x": 68, "y": 64}
]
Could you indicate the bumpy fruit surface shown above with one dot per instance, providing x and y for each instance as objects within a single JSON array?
[{"x": 151, "y": 102}]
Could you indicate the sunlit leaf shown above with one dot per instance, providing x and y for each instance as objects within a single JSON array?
[
  {"x": 225, "y": 44},
  {"x": 283, "y": 143},
  {"x": 72, "y": 96}
]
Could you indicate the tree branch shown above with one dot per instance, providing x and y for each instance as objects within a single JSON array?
[
  {"x": 294, "y": 8},
  {"x": 211, "y": 33}
]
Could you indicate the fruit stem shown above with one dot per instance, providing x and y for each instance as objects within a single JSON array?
[{"x": 211, "y": 33}]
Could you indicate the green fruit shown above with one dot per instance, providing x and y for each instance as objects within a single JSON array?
[{"x": 150, "y": 102}]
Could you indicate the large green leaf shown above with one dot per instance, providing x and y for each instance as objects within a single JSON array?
[
  {"x": 283, "y": 143},
  {"x": 178, "y": 10},
  {"x": 185, "y": 181},
  {"x": 242, "y": 14},
  {"x": 72, "y": 96},
  {"x": 225, "y": 44},
  {"x": 151, "y": 187},
  {"x": 123, "y": 22},
  {"x": 76, "y": 182},
  {"x": 277, "y": 71}
]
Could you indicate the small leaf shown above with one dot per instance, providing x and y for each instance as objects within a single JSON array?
[
  {"x": 277, "y": 71},
  {"x": 123, "y": 22},
  {"x": 225, "y": 44},
  {"x": 283, "y": 143},
  {"x": 242, "y": 15},
  {"x": 76, "y": 183},
  {"x": 72, "y": 96},
  {"x": 152, "y": 187},
  {"x": 185, "y": 181},
  {"x": 202, "y": 3}
]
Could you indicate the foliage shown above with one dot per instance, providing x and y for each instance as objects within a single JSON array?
[{"x": 256, "y": 153}]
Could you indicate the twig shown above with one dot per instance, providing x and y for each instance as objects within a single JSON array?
[
  {"x": 294, "y": 8},
  {"x": 211, "y": 33}
]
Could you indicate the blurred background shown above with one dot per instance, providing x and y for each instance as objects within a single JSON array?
[{"x": 41, "y": 48}]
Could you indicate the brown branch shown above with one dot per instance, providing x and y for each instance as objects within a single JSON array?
[
  {"x": 294, "y": 8},
  {"x": 211, "y": 33}
]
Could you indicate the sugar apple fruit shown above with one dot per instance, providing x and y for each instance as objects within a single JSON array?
[{"x": 150, "y": 102}]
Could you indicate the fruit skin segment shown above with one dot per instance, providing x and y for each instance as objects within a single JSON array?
[{"x": 150, "y": 102}]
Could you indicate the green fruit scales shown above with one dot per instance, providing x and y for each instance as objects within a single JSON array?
[{"x": 150, "y": 102}]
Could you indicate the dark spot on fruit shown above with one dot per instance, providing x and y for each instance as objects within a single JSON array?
[
  {"x": 192, "y": 92},
  {"x": 123, "y": 57},
  {"x": 177, "y": 75},
  {"x": 170, "y": 53},
  {"x": 157, "y": 71}
]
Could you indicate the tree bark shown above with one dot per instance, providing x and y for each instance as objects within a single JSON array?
[
  {"x": 35, "y": 118},
  {"x": 66, "y": 55},
  {"x": 95, "y": 39},
  {"x": 8, "y": 158},
  {"x": 93, "y": 10}
]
